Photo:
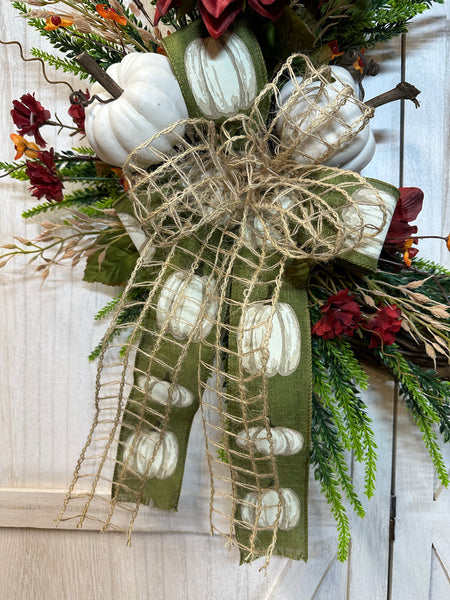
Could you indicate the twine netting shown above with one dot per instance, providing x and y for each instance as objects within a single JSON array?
[{"x": 224, "y": 215}]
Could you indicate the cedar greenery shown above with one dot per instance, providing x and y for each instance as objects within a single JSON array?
[
  {"x": 364, "y": 23},
  {"x": 73, "y": 44}
]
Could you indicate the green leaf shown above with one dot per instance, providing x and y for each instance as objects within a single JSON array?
[
  {"x": 113, "y": 262},
  {"x": 294, "y": 34}
]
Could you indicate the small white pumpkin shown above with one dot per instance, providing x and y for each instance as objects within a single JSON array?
[
  {"x": 138, "y": 457},
  {"x": 283, "y": 343},
  {"x": 285, "y": 441},
  {"x": 371, "y": 216},
  {"x": 159, "y": 391},
  {"x": 354, "y": 155},
  {"x": 188, "y": 303},
  {"x": 150, "y": 102},
  {"x": 221, "y": 75},
  {"x": 270, "y": 506}
]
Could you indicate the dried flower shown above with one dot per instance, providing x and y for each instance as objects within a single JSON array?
[
  {"x": 55, "y": 21},
  {"x": 384, "y": 326},
  {"x": 109, "y": 13},
  {"x": 29, "y": 115},
  {"x": 341, "y": 316},
  {"x": 44, "y": 178},
  {"x": 400, "y": 236},
  {"x": 334, "y": 47},
  {"x": 30, "y": 149}
]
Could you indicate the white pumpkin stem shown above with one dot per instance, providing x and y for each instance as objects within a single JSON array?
[
  {"x": 402, "y": 91},
  {"x": 99, "y": 74}
]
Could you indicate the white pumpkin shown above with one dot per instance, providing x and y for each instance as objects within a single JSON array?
[
  {"x": 139, "y": 456},
  {"x": 150, "y": 102},
  {"x": 283, "y": 344},
  {"x": 221, "y": 75},
  {"x": 369, "y": 213},
  {"x": 188, "y": 303},
  {"x": 291, "y": 120},
  {"x": 270, "y": 506},
  {"x": 285, "y": 441},
  {"x": 159, "y": 391}
]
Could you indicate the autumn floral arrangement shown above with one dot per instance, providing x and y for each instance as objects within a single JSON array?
[{"x": 217, "y": 182}]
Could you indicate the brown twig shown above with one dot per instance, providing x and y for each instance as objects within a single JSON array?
[
  {"x": 402, "y": 91},
  {"x": 99, "y": 74}
]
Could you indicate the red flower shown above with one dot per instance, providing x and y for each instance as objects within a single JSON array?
[
  {"x": 341, "y": 316},
  {"x": 28, "y": 115},
  {"x": 43, "y": 177},
  {"x": 400, "y": 231},
  {"x": 77, "y": 111},
  {"x": 218, "y": 15},
  {"x": 384, "y": 326}
]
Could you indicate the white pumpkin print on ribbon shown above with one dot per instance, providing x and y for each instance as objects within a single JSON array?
[
  {"x": 283, "y": 343},
  {"x": 368, "y": 212},
  {"x": 221, "y": 75},
  {"x": 150, "y": 102},
  {"x": 140, "y": 447},
  {"x": 323, "y": 131},
  {"x": 159, "y": 391},
  {"x": 286, "y": 509},
  {"x": 285, "y": 441},
  {"x": 187, "y": 303}
]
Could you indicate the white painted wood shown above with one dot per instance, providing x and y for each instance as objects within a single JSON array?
[
  {"x": 417, "y": 572},
  {"x": 427, "y": 141}
]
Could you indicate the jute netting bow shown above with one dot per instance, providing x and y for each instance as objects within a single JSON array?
[{"x": 212, "y": 323}]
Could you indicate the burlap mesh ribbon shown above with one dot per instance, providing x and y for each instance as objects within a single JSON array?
[{"x": 209, "y": 310}]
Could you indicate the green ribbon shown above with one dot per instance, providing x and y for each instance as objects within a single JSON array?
[
  {"x": 288, "y": 405},
  {"x": 176, "y": 46}
]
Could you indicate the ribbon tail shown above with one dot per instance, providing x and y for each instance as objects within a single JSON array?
[
  {"x": 165, "y": 392},
  {"x": 269, "y": 408}
]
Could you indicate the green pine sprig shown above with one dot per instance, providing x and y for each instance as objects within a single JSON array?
[
  {"x": 64, "y": 64},
  {"x": 364, "y": 23},
  {"x": 327, "y": 455},
  {"x": 427, "y": 398},
  {"x": 340, "y": 425},
  {"x": 71, "y": 43}
]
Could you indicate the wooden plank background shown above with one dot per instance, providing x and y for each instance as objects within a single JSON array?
[{"x": 46, "y": 391}]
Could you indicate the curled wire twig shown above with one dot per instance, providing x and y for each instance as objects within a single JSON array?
[{"x": 22, "y": 56}]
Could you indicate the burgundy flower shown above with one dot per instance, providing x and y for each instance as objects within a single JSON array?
[
  {"x": 341, "y": 316},
  {"x": 384, "y": 326},
  {"x": 218, "y": 15},
  {"x": 44, "y": 178},
  {"x": 78, "y": 113},
  {"x": 271, "y": 9},
  {"x": 29, "y": 115},
  {"x": 163, "y": 7},
  {"x": 408, "y": 207}
]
